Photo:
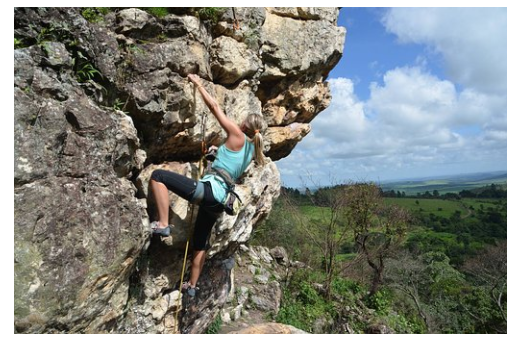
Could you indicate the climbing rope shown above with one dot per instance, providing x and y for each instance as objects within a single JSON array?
[
  {"x": 191, "y": 209},
  {"x": 236, "y": 24}
]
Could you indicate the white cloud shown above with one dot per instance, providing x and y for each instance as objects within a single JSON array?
[
  {"x": 472, "y": 41},
  {"x": 345, "y": 119},
  {"x": 411, "y": 97},
  {"x": 409, "y": 123}
]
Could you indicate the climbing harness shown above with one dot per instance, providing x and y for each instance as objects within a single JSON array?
[{"x": 233, "y": 203}]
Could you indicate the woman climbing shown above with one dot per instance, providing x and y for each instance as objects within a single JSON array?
[{"x": 243, "y": 144}]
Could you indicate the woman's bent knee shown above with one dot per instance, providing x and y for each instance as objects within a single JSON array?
[{"x": 157, "y": 175}]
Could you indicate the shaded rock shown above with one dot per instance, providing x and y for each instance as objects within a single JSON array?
[
  {"x": 72, "y": 262},
  {"x": 48, "y": 85},
  {"x": 181, "y": 56},
  {"x": 267, "y": 299},
  {"x": 280, "y": 255},
  {"x": 378, "y": 329},
  {"x": 25, "y": 61},
  {"x": 56, "y": 54}
]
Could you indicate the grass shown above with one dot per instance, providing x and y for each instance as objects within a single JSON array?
[
  {"x": 158, "y": 12},
  {"x": 315, "y": 212},
  {"x": 476, "y": 203},
  {"x": 439, "y": 207}
]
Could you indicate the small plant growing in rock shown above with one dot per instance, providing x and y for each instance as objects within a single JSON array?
[
  {"x": 211, "y": 13},
  {"x": 118, "y": 104},
  {"x": 56, "y": 31},
  {"x": 158, "y": 12},
  {"x": 161, "y": 37},
  {"x": 18, "y": 43},
  {"x": 87, "y": 72},
  {"x": 94, "y": 14},
  {"x": 215, "y": 326}
]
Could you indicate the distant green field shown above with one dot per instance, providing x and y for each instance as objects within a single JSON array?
[
  {"x": 315, "y": 212},
  {"x": 449, "y": 185},
  {"x": 439, "y": 207}
]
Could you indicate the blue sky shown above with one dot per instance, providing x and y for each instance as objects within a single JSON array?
[{"x": 418, "y": 92}]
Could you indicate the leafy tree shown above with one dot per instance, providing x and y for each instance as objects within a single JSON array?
[{"x": 436, "y": 289}]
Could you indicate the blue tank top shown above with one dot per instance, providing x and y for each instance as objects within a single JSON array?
[{"x": 235, "y": 163}]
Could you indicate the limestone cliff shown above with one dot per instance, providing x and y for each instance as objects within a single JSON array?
[{"x": 101, "y": 99}]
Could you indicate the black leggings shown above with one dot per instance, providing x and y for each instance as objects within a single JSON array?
[{"x": 209, "y": 207}]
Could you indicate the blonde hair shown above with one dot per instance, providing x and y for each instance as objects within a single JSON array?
[{"x": 256, "y": 126}]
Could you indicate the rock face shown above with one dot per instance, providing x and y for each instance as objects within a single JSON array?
[
  {"x": 101, "y": 99},
  {"x": 256, "y": 292}
]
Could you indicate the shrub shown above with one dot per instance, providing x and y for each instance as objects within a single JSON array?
[
  {"x": 211, "y": 13},
  {"x": 302, "y": 305},
  {"x": 158, "y": 12},
  {"x": 380, "y": 301},
  {"x": 345, "y": 287},
  {"x": 215, "y": 326},
  {"x": 94, "y": 14}
]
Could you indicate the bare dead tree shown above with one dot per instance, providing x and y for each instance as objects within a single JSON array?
[
  {"x": 407, "y": 274},
  {"x": 329, "y": 231},
  {"x": 377, "y": 228},
  {"x": 489, "y": 268}
]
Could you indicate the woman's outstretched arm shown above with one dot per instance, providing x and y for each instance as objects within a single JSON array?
[{"x": 236, "y": 137}]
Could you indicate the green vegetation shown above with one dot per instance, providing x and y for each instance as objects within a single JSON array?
[
  {"x": 302, "y": 304},
  {"x": 443, "y": 208},
  {"x": 215, "y": 326},
  {"x": 87, "y": 71},
  {"x": 305, "y": 306},
  {"x": 118, "y": 104},
  {"x": 94, "y": 14},
  {"x": 211, "y": 13},
  {"x": 158, "y": 12},
  {"x": 56, "y": 31},
  {"x": 84, "y": 69},
  {"x": 18, "y": 43},
  {"x": 442, "y": 272}
]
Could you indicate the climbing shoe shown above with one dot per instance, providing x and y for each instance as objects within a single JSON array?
[
  {"x": 165, "y": 232},
  {"x": 189, "y": 289}
]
